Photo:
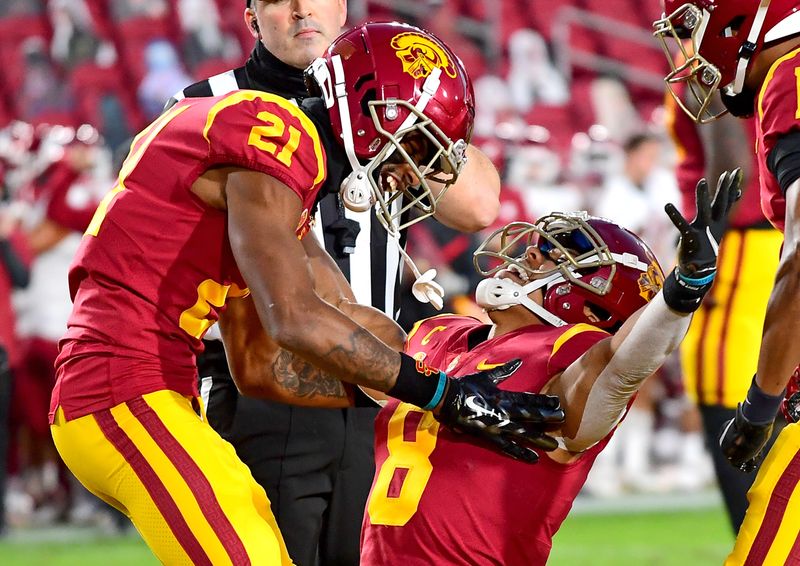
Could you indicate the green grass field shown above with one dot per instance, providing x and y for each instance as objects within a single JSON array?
[{"x": 673, "y": 538}]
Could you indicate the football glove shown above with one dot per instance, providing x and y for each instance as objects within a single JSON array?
[
  {"x": 686, "y": 286},
  {"x": 510, "y": 421},
  {"x": 742, "y": 441}
]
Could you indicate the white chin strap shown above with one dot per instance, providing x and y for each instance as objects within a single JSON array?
[
  {"x": 752, "y": 38},
  {"x": 503, "y": 293}
]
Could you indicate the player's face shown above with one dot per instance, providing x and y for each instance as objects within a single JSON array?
[
  {"x": 538, "y": 262},
  {"x": 298, "y": 31},
  {"x": 396, "y": 174}
]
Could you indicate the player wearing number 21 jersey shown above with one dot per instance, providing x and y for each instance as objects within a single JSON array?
[
  {"x": 213, "y": 204},
  {"x": 152, "y": 273}
]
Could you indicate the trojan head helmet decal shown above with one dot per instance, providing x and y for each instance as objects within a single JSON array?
[
  {"x": 651, "y": 281},
  {"x": 421, "y": 55}
]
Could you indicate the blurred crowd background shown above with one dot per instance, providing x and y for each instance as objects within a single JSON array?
[{"x": 570, "y": 107}]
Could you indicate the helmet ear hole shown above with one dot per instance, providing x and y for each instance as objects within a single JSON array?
[
  {"x": 369, "y": 96},
  {"x": 733, "y": 27},
  {"x": 602, "y": 314}
]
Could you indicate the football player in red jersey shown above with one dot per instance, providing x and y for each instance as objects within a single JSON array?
[
  {"x": 721, "y": 348},
  {"x": 578, "y": 299},
  {"x": 213, "y": 203},
  {"x": 749, "y": 51}
]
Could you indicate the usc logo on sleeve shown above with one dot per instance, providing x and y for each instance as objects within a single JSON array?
[{"x": 420, "y": 55}]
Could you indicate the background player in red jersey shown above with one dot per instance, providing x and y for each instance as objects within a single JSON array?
[
  {"x": 748, "y": 51},
  {"x": 721, "y": 347},
  {"x": 569, "y": 297},
  {"x": 213, "y": 202}
]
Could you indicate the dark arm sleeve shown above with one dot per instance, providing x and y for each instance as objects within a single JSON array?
[
  {"x": 17, "y": 270},
  {"x": 784, "y": 159}
]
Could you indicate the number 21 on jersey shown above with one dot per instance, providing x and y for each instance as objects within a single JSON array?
[{"x": 404, "y": 475}]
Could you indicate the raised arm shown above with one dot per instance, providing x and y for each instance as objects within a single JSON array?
[
  {"x": 596, "y": 389},
  {"x": 473, "y": 202}
]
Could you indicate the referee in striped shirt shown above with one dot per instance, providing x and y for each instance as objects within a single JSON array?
[{"x": 316, "y": 465}]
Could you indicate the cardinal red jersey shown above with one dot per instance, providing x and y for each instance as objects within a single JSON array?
[
  {"x": 778, "y": 114},
  {"x": 438, "y": 499},
  {"x": 155, "y": 266},
  {"x": 691, "y": 166}
]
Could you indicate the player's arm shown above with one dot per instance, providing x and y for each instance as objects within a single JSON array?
[
  {"x": 780, "y": 350},
  {"x": 596, "y": 389},
  {"x": 332, "y": 287},
  {"x": 473, "y": 202},
  {"x": 263, "y": 369},
  {"x": 744, "y": 437}
]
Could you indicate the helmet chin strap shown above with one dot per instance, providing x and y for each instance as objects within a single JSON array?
[
  {"x": 503, "y": 293},
  {"x": 749, "y": 47}
]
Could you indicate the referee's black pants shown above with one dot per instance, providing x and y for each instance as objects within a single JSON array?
[
  {"x": 316, "y": 465},
  {"x": 732, "y": 483}
]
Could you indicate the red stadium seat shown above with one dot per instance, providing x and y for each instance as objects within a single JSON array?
[
  {"x": 213, "y": 66},
  {"x": 15, "y": 30},
  {"x": 542, "y": 13},
  {"x": 92, "y": 84}
]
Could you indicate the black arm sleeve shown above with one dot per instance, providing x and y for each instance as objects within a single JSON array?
[
  {"x": 17, "y": 271},
  {"x": 784, "y": 159}
]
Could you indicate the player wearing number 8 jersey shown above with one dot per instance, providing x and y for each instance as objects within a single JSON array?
[
  {"x": 581, "y": 306},
  {"x": 212, "y": 204}
]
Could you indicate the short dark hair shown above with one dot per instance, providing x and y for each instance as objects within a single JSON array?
[
  {"x": 638, "y": 140},
  {"x": 248, "y": 2}
]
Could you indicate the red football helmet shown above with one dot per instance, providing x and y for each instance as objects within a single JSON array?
[
  {"x": 599, "y": 264},
  {"x": 382, "y": 82},
  {"x": 718, "y": 40}
]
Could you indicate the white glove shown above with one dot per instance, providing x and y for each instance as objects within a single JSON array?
[{"x": 426, "y": 290}]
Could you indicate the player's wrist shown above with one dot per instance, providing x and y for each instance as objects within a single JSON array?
[
  {"x": 760, "y": 407},
  {"x": 419, "y": 384},
  {"x": 684, "y": 293}
]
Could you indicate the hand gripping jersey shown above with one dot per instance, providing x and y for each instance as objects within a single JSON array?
[
  {"x": 155, "y": 266},
  {"x": 437, "y": 499},
  {"x": 778, "y": 114}
]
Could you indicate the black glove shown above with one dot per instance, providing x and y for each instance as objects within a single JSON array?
[
  {"x": 686, "y": 286},
  {"x": 509, "y": 420},
  {"x": 742, "y": 441}
]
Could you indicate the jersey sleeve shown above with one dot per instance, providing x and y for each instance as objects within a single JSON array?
[
  {"x": 424, "y": 332},
  {"x": 431, "y": 339},
  {"x": 779, "y": 101},
  {"x": 267, "y": 133},
  {"x": 571, "y": 345}
]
